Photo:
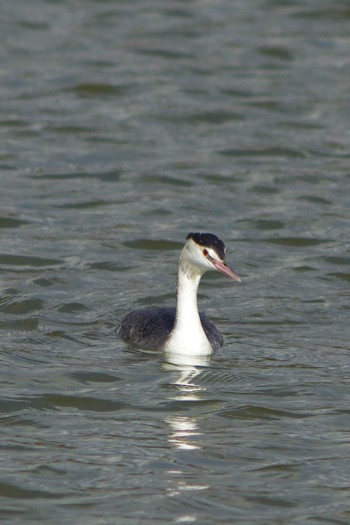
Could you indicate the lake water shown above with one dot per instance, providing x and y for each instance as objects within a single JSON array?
[{"x": 123, "y": 126}]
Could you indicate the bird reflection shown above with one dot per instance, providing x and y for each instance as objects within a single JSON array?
[
  {"x": 184, "y": 362},
  {"x": 185, "y": 434}
]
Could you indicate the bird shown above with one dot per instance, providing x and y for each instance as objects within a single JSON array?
[{"x": 182, "y": 330}]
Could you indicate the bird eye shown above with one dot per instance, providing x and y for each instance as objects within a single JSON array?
[{"x": 205, "y": 252}]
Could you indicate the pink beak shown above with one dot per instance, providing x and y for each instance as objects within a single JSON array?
[{"x": 224, "y": 268}]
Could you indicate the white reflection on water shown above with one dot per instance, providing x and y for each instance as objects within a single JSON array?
[
  {"x": 186, "y": 518},
  {"x": 184, "y": 433},
  {"x": 185, "y": 362},
  {"x": 184, "y": 428}
]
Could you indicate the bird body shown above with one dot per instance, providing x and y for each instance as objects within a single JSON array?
[
  {"x": 149, "y": 328},
  {"x": 182, "y": 329}
]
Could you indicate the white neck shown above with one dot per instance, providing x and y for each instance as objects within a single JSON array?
[{"x": 187, "y": 336}]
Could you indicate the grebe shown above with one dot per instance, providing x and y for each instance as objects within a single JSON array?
[{"x": 182, "y": 329}]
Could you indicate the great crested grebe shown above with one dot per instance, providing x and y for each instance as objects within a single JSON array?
[{"x": 182, "y": 329}]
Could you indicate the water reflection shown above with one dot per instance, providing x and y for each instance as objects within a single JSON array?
[
  {"x": 184, "y": 433},
  {"x": 186, "y": 362}
]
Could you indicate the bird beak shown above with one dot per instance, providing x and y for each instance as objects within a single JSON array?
[{"x": 224, "y": 268}]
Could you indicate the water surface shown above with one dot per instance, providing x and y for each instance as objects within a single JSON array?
[{"x": 125, "y": 125}]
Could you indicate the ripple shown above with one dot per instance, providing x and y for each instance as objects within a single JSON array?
[
  {"x": 298, "y": 242},
  {"x": 163, "y": 53},
  {"x": 88, "y": 378},
  {"x": 47, "y": 281},
  {"x": 264, "y": 189},
  {"x": 109, "y": 266},
  {"x": 260, "y": 412},
  {"x": 72, "y": 308},
  {"x": 277, "y": 52},
  {"x": 338, "y": 259},
  {"x": 216, "y": 117},
  {"x": 341, "y": 276},
  {"x": 83, "y": 205},
  {"x": 152, "y": 244},
  {"x": 267, "y": 224},
  {"x": 7, "y": 222},
  {"x": 263, "y": 152},
  {"x": 15, "y": 419},
  {"x": 16, "y": 306},
  {"x": 315, "y": 199},
  {"x": 86, "y": 403},
  {"x": 24, "y": 325},
  {"x": 171, "y": 181},
  {"x": 107, "y": 176},
  {"x": 12, "y": 405},
  {"x": 18, "y": 311},
  {"x": 27, "y": 260},
  {"x": 100, "y": 89},
  {"x": 11, "y": 490}
]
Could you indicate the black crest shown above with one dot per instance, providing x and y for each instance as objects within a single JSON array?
[{"x": 209, "y": 240}]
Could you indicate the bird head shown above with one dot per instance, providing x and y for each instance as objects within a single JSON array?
[{"x": 207, "y": 252}]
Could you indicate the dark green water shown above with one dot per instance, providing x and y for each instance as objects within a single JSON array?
[{"x": 123, "y": 126}]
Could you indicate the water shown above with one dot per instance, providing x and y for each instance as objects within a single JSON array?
[{"x": 123, "y": 126}]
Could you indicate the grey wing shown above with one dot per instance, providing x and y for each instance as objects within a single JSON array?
[
  {"x": 213, "y": 335},
  {"x": 147, "y": 328}
]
